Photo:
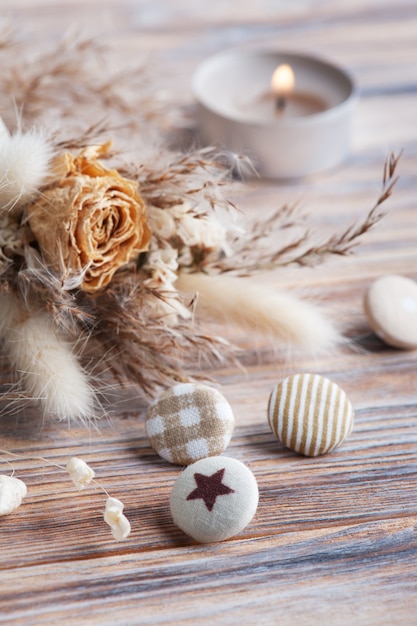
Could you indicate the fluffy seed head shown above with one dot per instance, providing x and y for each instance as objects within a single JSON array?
[{"x": 24, "y": 166}]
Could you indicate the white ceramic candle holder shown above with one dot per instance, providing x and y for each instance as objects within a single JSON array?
[{"x": 237, "y": 111}]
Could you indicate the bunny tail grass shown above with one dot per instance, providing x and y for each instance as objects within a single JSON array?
[
  {"x": 46, "y": 364},
  {"x": 261, "y": 310},
  {"x": 24, "y": 165}
]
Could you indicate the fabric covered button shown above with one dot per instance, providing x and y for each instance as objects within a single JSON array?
[
  {"x": 189, "y": 422},
  {"x": 310, "y": 414},
  {"x": 391, "y": 309},
  {"x": 214, "y": 499}
]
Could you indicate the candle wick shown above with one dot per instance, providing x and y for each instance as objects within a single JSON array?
[{"x": 280, "y": 103}]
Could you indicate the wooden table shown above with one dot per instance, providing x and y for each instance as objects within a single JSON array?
[{"x": 334, "y": 540}]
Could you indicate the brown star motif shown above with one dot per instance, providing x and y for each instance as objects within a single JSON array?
[{"x": 209, "y": 487}]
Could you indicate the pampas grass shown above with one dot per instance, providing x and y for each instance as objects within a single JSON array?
[
  {"x": 46, "y": 364},
  {"x": 67, "y": 86},
  {"x": 260, "y": 309}
]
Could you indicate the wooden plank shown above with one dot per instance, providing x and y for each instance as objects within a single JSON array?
[
  {"x": 363, "y": 572},
  {"x": 334, "y": 539}
]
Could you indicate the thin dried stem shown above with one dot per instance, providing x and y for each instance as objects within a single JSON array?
[
  {"x": 82, "y": 75},
  {"x": 344, "y": 243},
  {"x": 253, "y": 252},
  {"x": 143, "y": 350}
]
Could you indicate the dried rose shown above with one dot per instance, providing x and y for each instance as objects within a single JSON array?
[{"x": 89, "y": 221}]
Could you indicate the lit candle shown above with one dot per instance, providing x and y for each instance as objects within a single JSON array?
[
  {"x": 289, "y": 112},
  {"x": 288, "y": 99},
  {"x": 282, "y": 85},
  {"x": 283, "y": 98}
]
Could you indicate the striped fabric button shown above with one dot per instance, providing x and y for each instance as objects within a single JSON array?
[
  {"x": 310, "y": 414},
  {"x": 189, "y": 422}
]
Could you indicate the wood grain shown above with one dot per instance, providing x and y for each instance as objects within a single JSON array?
[{"x": 334, "y": 541}]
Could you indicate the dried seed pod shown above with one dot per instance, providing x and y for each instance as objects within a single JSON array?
[
  {"x": 113, "y": 516},
  {"x": 80, "y": 472},
  {"x": 12, "y": 492}
]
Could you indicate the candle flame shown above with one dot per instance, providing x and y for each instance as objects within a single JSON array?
[{"x": 282, "y": 82}]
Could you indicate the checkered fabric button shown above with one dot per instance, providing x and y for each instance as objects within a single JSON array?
[
  {"x": 214, "y": 499},
  {"x": 189, "y": 422}
]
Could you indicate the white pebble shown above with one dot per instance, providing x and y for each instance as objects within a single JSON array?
[{"x": 391, "y": 308}]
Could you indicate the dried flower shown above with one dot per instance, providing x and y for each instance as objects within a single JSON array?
[
  {"x": 12, "y": 492},
  {"x": 80, "y": 472},
  {"x": 113, "y": 516},
  {"x": 162, "y": 222},
  {"x": 90, "y": 221},
  {"x": 162, "y": 262},
  {"x": 162, "y": 265},
  {"x": 203, "y": 231}
]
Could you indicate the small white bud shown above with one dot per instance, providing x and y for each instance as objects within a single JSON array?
[
  {"x": 113, "y": 516},
  {"x": 80, "y": 472},
  {"x": 12, "y": 492}
]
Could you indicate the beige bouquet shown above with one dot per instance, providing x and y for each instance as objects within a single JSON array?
[{"x": 108, "y": 259}]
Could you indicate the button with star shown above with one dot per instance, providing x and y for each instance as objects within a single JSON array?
[{"x": 214, "y": 499}]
